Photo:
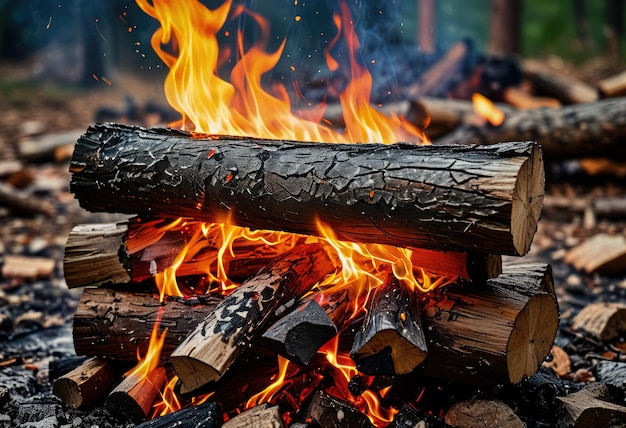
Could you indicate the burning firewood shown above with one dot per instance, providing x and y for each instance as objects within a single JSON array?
[
  {"x": 211, "y": 348},
  {"x": 298, "y": 335},
  {"x": 87, "y": 383},
  {"x": 98, "y": 254},
  {"x": 474, "y": 199},
  {"x": 391, "y": 340},
  {"x": 133, "y": 397},
  {"x": 115, "y": 324},
  {"x": 495, "y": 332}
]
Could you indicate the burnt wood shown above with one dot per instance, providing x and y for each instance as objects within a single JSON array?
[
  {"x": 475, "y": 199},
  {"x": 209, "y": 350},
  {"x": 391, "y": 340},
  {"x": 205, "y": 415}
]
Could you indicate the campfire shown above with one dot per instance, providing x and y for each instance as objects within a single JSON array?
[{"x": 279, "y": 269}]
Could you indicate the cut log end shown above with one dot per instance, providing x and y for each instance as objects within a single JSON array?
[
  {"x": 527, "y": 201},
  {"x": 532, "y": 336},
  {"x": 389, "y": 344},
  {"x": 195, "y": 372}
]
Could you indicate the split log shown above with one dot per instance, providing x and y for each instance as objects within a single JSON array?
[
  {"x": 263, "y": 415},
  {"x": 576, "y": 131},
  {"x": 132, "y": 399},
  {"x": 210, "y": 349},
  {"x": 491, "y": 333},
  {"x": 23, "y": 203},
  {"x": 44, "y": 147},
  {"x": 604, "y": 254},
  {"x": 205, "y": 415},
  {"x": 482, "y": 413},
  {"x": 87, "y": 383},
  {"x": 92, "y": 255},
  {"x": 299, "y": 334},
  {"x": 26, "y": 267},
  {"x": 391, "y": 340},
  {"x": 328, "y": 411},
  {"x": 116, "y": 324},
  {"x": 564, "y": 87},
  {"x": 474, "y": 199},
  {"x": 589, "y": 408},
  {"x": 602, "y": 320},
  {"x": 104, "y": 247}
]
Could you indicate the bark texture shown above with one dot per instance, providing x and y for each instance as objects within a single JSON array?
[{"x": 481, "y": 199}]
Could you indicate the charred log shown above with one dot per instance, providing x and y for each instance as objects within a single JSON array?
[{"x": 484, "y": 199}]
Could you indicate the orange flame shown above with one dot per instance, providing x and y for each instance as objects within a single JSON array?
[
  {"x": 151, "y": 360},
  {"x": 187, "y": 43},
  {"x": 267, "y": 394},
  {"x": 488, "y": 110},
  {"x": 368, "y": 402}
]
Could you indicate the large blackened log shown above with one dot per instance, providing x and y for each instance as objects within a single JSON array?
[{"x": 479, "y": 199}]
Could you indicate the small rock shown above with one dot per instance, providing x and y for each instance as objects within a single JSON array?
[{"x": 49, "y": 422}]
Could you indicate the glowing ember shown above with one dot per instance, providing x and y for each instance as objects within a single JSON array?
[{"x": 488, "y": 110}]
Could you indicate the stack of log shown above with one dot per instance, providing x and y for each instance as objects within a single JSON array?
[{"x": 458, "y": 208}]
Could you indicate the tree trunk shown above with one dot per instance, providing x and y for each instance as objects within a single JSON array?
[
  {"x": 505, "y": 27},
  {"x": 211, "y": 348},
  {"x": 427, "y": 19},
  {"x": 576, "y": 131},
  {"x": 474, "y": 199}
]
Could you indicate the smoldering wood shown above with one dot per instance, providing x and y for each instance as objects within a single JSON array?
[
  {"x": 328, "y": 411},
  {"x": 115, "y": 323},
  {"x": 574, "y": 131},
  {"x": 87, "y": 383},
  {"x": 482, "y": 412},
  {"x": 391, "y": 339},
  {"x": 133, "y": 397},
  {"x": 93, "y": 255},
  {"x": 205, "y": 415},
  {"x": 104, "y": 258},
  {"x": 493, "y": 332},
  {"x": 209, "y": 350},
  {"x": 476, "y": 199}
]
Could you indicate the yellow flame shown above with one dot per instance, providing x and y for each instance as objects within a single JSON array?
[
  {"x": 151, "y": 360},
  {"x": 485, "y": 108},
  {"x": 268, "y": 393},
  {"x": 187, "y": 43}
]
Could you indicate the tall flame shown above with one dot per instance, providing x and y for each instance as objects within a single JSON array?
[{"x": 187, "y": 43}]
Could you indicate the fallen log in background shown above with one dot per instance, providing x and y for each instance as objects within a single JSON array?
[
  {"x": 474, "y": 199},
  {"x": 575, "y": 131},
  {"x": 491, "y": 333},
  {"x": 115, "y": 324},
  {"x": 208, "y": 351}
]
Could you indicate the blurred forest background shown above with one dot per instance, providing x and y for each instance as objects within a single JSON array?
[{"x": 71, "y": 41}]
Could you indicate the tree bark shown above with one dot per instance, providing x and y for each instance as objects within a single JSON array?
[
  {"x": 208, "y": 351},
  {"x": 491, "y": 333},
  {"x": 475, "y": 199},
  {"x": 116, "y": 324},
  {"x": 391, "y": 340},
  {"x": 576, "y": 131}
]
